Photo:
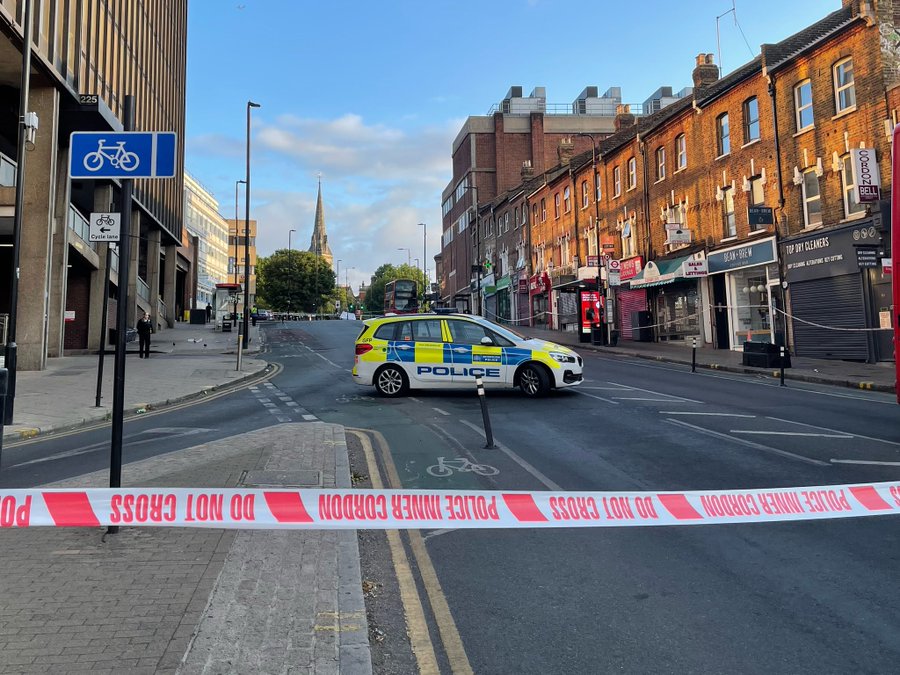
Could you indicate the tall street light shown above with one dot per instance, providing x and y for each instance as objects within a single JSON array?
[
  {"x": 290, "y": 269},
  {"x": 246, "y": 339},
  {"x": 237, "y": 238},
  {"x": 597, "y": 230},
  {"x": 408, "y": 255}
]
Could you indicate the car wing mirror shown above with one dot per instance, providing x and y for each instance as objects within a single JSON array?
[{"x": 486, "y": 340}]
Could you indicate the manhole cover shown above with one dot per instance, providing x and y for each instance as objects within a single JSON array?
[{"x": 282, "y": 479}]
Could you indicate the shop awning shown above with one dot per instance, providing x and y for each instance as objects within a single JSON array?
[{"x": 660, "y": 272}]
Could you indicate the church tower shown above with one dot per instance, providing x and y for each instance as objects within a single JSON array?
[{"x": 319, "y": 242}]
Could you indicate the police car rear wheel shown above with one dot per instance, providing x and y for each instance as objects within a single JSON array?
[
  {"x": 533, "y": 380},
  {"x": 391, "y": 381}
]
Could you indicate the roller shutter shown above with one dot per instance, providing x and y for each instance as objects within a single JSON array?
[
  {"x": 832, "y": 301},
  {"x": 630, "y": 300}
]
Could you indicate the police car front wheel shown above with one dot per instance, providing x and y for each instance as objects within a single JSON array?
[
  {"x": 534, "y": 380},
  {"x": 391, "y": 381}
]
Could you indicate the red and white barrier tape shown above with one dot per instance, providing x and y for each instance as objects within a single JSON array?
[{"x": 424, "y": 509}]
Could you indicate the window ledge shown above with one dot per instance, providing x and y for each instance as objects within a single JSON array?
[
  {"x": 723, "y": 156},
  {"x": 684, "y": 168},
  {"x": 804, "y": 130},
  {"x": 616, "y": 196},
  {"x": 845, "y": 111},
  {"x": 659, "y": 180},
  {"x": 749, "y": 143},
  {"x": 727, "y": 239},
  {"x": 810, "y": 228},
  {"x": 852, "y": 217},
  {"x": 753, "y": 233},
  {"x": 632, "y": 188}
]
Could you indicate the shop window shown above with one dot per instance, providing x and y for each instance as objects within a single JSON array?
[
  {"x": 678, "y": 311},
  {"x": 851, "y": 206},
  {"x": 756, "y": 197},
  {"x": 680, "y": 152},
  {"x": 723, "y": 139},
  {"x": 749, "y": 302},
  {"x": 803, "y": 105},
  {"x": 660, "y": 163},
  {"x": 751, "y": 120},
  {"x": 730, "y": 227},
  {"x": 812, "y": 201},
  {"x": 844, "y": 87}
]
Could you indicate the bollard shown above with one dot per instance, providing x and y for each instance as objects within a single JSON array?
[
  {"x": 488, "y": 434},
  {"x": 694, "y": 356},
  {"x": 4, "y": 379},
  {"x": 240, "y": 351},
  {"x": 781, "y": 350}
]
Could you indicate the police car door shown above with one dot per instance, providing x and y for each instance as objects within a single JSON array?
[
  {"x": 429, "y": 367},
  {"x": 474, "y": 356}
]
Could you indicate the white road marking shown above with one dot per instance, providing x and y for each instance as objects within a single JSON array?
[
  {"x": 659, "y": 400},
  {"x": 604, "y": 388},
  {"x": 327, "y": 360},
  {"x": 443, "y": 412},
  {"x": 413, "y": 398},
  {"x": 270, "y": 405},
  {"x": 293, "y": 404},
  {"x": 518, "y": 460},
  {"x": 263, "y": 400},
  {"x": 788, "y": 433},
  {"x": 599, "y": 398},
  {"x": 711, "y": 414},
  {"x": 437, "y": 533},
  {"x": 284, "y": 419},
  {"x": 834, "y": 431},
  {"x": 657, "y": 393},
  {"x": 749, "y": 444},
  {"x": 863, "y": 461},
  {"x": 309, "y": 418}
]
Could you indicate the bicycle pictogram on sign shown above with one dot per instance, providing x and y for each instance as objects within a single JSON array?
[{"x": 118, "y": 157}]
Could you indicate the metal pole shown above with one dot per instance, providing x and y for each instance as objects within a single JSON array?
[
  {"x": 237, "y": 236},
  {"x": 118, "y": 412},
  {"x": 11, "y": 357},
  {"x": 488, "y": 434},
  {"x": 694, "y": 356},
  {"x": 240, "y": 350},
  {"x": 103, "y": 321},
  {"x": 246, "y": 343},
  {"x": 781, "y": 350}
]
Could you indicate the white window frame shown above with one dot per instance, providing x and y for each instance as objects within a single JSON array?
[
  {"x": 585, "y": 197},
  {"x": 807, "y": 198},
  {"x": 680, "y": 152},
  {"x": 632, "y": 173},
  {"x": 628, "y": 244},
  {"x": 723, "y": 135},
  {"x": 799, "y": 107},
  {"x": 750, "y": 122},
  {"x": 556, "y": 204},
  {"x": 543, "y": 209},
  {"x": 840, "y": 89},
  {"x": 617, "y": 181},
  {"x": 567, "y": 199},
  {"x": 661, "y": 163},
  {"x": 852, "y": 209},
  {"x": 729, "y": 221},
  {"x": 756, "y": 182},
  {"x": 598, "y": 193}
]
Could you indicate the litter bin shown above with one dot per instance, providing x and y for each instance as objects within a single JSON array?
[
  {"x": 226, "y": 326},
  {"x": 640, "y": 327}
]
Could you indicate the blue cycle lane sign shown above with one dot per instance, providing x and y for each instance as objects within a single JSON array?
[{"x": 125, "y": 154}]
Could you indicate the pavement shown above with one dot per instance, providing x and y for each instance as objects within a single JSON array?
[
  {"x": 853, "y": 374},
  {"x": 187, "y": 361}
]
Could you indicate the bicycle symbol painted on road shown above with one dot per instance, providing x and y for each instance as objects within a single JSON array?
[
  {"x": 118, "y": 157},
  {"x": 445, "y": 468}
]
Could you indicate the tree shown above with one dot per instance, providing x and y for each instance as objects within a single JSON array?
[
  {"x": 375, "y": 293},
  {"x": 289, "y": 281}
]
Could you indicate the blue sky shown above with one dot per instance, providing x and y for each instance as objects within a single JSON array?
[{"x": 371, "y": 95}]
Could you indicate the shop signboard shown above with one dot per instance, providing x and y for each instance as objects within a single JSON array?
[
  {"x": 829, "y": 252},
  {"x": 694, "y": 268},
  {"x": 748, "y": 255},
  {"x": 630, "y": 267},
  {"x": 867, "y": 256},
  {"x": 761, "y": 215},
  {"x": 866, "y": 174}
]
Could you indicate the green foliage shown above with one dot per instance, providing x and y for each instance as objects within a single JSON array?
[
  {"x": 295, "y": 281},
  {"x": 374, "y": 301}
]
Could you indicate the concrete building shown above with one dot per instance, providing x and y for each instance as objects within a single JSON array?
[
  {"x": 86, "y": 57},
  {"x": 202, "y": 220},
  {"x": 236, "y": 273}
]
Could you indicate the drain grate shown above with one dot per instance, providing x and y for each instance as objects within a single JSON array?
[{"x": 281, "y": 479}]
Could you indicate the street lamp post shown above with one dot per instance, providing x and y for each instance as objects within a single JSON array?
[
  {"x": 237, "y": 238},
  {"x": 246, "y": 340},
  {"x": 290, "y": 269},
  {"x": 597, "y": 231},
  {"x": 408, "y": 255}
]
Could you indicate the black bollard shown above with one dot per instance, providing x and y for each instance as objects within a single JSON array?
[
  {"x": 488, "y": 434},
  {"x": 781, "y": 350},
  {"x": 694, "y": 356}
]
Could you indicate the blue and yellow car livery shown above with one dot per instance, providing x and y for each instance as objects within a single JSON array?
[{"x": 419, "y": 351}]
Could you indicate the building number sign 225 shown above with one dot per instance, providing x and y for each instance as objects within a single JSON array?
[{"x": 88, "y": 99}]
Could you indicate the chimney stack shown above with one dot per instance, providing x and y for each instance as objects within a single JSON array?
[
  {"x": 624, "y": 117},
  {"x": 527, "y": 170},
  {"x": 565, "y": 150},
  {"x": 706, "y": 72}
]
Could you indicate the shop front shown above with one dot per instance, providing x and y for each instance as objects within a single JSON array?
[
  {"x": 504, "y": 306},
  {"x": 630, "y": 302},
  {"x": 522, "y": 310},
  {"x": 840, "y": 296},
  {"x": 673, "y": 296},
  {"x": 489, "y": 295},
  {"x": 539, "y": 294}
]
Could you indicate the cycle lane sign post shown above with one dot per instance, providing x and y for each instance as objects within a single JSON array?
[
  {"x": 125, "y": 154},
  {"x": 105, "y": 227}
]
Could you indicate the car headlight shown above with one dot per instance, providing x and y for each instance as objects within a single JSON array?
[{"x": 562, "y": 358}]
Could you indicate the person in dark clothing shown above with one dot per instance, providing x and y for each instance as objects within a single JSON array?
[
  {"x": 208, "y": 312},
  {"x": 144, "y": 329}
]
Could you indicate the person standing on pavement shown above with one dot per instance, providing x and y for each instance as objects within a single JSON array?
[
  {"x": 144, "y": 329},
  {"x": 208, "y": 312}
]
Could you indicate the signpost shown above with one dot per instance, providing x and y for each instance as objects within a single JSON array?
[{"x": 105, "y": 227}]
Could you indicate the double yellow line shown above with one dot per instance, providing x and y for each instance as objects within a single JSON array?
[{"x": 420, "y": 638}]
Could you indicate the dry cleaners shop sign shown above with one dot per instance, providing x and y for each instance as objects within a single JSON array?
[
  {"x": 868, "y": 178},
  {"x": 832, "y": 254}
]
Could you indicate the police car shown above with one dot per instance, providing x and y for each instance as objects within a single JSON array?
[{"x": 447, "y": 351}]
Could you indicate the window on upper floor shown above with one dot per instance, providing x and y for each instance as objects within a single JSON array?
[
  {"x": 660, "y": 163},
  {"x": 756, "y": 197},
  {"x": 597, "y": 191},
  {"x": 617, "y": 182},
  {"x": 728, "y": 220},
  {"x": 543, "y": 209},
  {"x": 852, "y": 206},
  {"x": 506, "y": 222},
  {"x": 812, "y": 200},
  {"x": 556, "y": 205},
  {"x": 632, "y": 173},
  {"x": 723, "y": 138},
  {"x": 534, "y": 213},
  {"x": 844, "y": 87},
  {"x": 567, "y": 199},
  {"x": 680, "y": 152},
  {"x": 585, "y": 197},
  {"x": 803, "y": 105},
  {"x": 516, "y": 218},
  {"x": 627, "y": 235},
  {"x": 751, "y": 120}
]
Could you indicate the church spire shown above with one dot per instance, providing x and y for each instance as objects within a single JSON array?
[{"x": 319, "y": 241}]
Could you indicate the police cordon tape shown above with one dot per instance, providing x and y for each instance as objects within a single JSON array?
[{"x": 426, "y": 509}]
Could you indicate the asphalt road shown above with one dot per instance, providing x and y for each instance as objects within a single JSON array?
[{"x": 790, "y": 597}]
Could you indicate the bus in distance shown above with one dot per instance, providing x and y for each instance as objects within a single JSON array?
[{"x": 401, "y": 296}]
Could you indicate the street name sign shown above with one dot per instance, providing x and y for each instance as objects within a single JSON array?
[
  {"x": 126, "y": 154},
  {"x": 105, "y": 227}
]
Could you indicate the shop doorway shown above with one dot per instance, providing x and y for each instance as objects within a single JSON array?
[{"x": 720, "y": 315}]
